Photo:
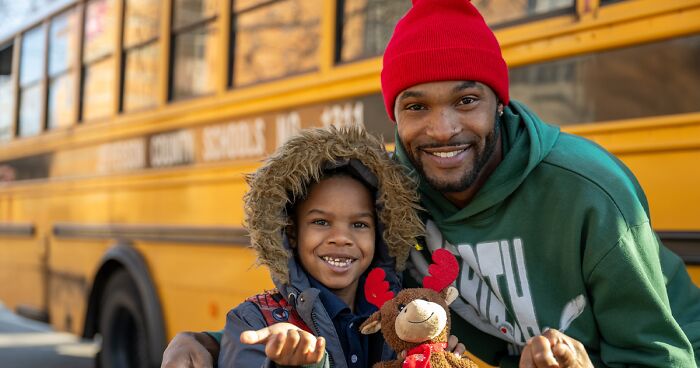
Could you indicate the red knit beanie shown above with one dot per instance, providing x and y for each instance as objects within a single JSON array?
[{"x": 440, "y": 40}]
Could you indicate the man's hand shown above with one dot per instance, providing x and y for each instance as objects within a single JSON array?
[
  {"x": 553, "y": 349},
  {"x": 191, "y": 350},
  {"x": 455, "y": 347},
  {"x": 286, "y": 344}
]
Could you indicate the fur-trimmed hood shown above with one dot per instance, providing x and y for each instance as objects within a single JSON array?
[{"x": 287, "y": 174}]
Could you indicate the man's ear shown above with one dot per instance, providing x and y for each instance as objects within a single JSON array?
[
  {"x": 372, "y": 324},
  {"x": 451, "y": 294}
]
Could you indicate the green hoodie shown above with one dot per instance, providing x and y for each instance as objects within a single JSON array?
[{"x": 559, "y": 236}]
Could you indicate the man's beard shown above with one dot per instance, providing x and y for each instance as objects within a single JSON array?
[{"x": 469, "y": 177}]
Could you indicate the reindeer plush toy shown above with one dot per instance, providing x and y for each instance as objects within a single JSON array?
[{"x": 416, "y": 320}]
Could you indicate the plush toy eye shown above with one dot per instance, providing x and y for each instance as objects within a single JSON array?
[{"x": 401, "y": 307}]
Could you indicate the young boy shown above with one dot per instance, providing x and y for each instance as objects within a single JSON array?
[{"x": 324, "y": 209}]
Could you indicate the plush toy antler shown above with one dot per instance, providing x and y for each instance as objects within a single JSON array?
[
  {"x": 377, "y": 288},
  {"x": 442, "y": 272},
  {"x": 416, "y": 320}
]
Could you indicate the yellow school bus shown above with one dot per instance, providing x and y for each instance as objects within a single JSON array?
[{"x": 126, "y": 127}]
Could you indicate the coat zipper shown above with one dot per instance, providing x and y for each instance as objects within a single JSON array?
[{"x": 314, "y": 319}]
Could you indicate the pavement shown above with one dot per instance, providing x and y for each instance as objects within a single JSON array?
[{"x": 26, "y": 343}]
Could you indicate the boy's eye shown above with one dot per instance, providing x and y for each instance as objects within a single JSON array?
[
  {"x": 320, "y": 222},
  {"x": 360, "y": 225}
]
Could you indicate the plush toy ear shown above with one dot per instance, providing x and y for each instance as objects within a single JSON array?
[
  {"x": 372, "y": 324},
  {"x": 451, "y": 294}
]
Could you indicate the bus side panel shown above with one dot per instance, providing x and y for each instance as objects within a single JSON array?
[
  {"x": 671, "y": 181},
  {"x": 198, "y": 283},
  {"x": 22, "y": 254},
  {"x": 22, "y": 273},
  {"x": 73, "y": 265}
]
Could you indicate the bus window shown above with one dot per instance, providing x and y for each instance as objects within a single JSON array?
[
  {"x": 63, "y": 48},
  {"x": 618, "y": 84},
  {"x": 98, "y": 60},
  {"x": 275, "y": 39},
  {"x": 195, "y": 48},
  {"x": 141, "y": 54},
  {"x": 190, "y": 12},
  {"x": 141, "y": 21},
  {"x": 503, "y": 12},
  {"x": 31, "y": 73},
  {"x": 367, "y": 25},
  {"x": 6, "y": 92}
]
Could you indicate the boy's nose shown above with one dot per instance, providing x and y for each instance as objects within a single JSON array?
[{"x": 340, "y": 237}]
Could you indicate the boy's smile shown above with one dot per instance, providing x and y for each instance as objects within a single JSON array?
[
  {"x": 340, "y": 262},
  {"x": 336, "y": 234}
]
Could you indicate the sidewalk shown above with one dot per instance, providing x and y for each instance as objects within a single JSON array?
[{"x": 25, "y": 343}]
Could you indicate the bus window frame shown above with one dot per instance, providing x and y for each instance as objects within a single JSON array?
[
  {"x": 117, "y": 65},
  {"x": 41, "y": 82},
  {"x": 175, "y": 32},
  {"x": 14, "y": 85},
  {"x": 73, "y": 68},
  {"x": 340, "y": 18},
  {"x": 567, "y": 11},
  {"x": 232, "y": 33},
  {"x": 136, "y": 46}
]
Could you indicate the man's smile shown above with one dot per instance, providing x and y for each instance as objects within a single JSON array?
[{"x": 446, "y": 156}]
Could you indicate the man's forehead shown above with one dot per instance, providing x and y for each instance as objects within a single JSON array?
[{"x": 420, "y": 90}]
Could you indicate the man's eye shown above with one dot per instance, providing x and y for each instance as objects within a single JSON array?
[
  {"x": 415, "y": 107},
  {"x": 466, "y": 100}
]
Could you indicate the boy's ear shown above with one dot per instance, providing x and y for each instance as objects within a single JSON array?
[
  {"x": 372, "y": 324},
  {"x": 451, "y": 294}
]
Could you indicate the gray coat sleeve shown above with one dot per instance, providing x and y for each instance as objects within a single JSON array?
[{"x": 235, "y": 354}]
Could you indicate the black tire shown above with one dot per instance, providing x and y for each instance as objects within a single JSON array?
[{"x": 122, "y": 325}]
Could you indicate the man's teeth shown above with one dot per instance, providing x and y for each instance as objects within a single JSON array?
[
  {"x": 338, "y": 262},
  {"x": 446, "y": 154}
]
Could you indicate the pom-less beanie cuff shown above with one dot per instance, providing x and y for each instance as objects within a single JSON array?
[{"x": 424, "y": 66}]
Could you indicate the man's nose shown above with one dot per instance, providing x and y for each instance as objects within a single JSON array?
[{"x": 443, "y": 125}]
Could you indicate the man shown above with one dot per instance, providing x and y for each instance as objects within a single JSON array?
[{"x": 560, "y": 266}]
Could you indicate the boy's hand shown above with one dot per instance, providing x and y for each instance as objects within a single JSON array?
[{"x": 286, "y": 344}]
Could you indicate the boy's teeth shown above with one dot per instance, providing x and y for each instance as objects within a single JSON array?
[
  {"x": 446, "y": 154},
  {"x": 338, "y": 262}
]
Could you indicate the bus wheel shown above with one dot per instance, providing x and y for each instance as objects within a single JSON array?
[{"x": 122, "y": 325}]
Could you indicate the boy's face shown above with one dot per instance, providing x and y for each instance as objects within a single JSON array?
[{"x": 335, "y": 232}]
